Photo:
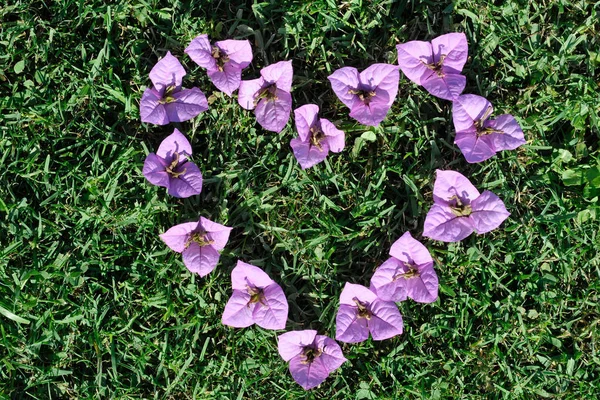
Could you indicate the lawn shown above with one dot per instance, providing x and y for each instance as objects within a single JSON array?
[{"x": 94, "y": 305}]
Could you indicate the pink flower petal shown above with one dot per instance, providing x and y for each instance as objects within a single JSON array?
[
  {"x": 291, "y": 344},
  {"x": 454, "y": 48},
  {"x": 187, "y": 105},
  {"x": 352, "y": 290},
  {"x": 176, "y": 142},
  {"x": 177, "y": 236},
  {"x": 308, "y": 375},
  {"x": 447, "y": 87},
  {"x": 386, "y": 320},
  {"x": 383, "y": 77},
  {"x": 200, "y": 51},
  {"x": 332, "y": 355},
  {"x": 467, "y": 109},
  {"x": 305, "y": 117},
  {"x": 248, "y": 91},
  {"x": 219, "y": 234},
  {"x": 475, "y": 149},
  {"x": 424, "y": 288},
  {"x": 348, "y": 327},
  {"x": 238, "y": 51},
  {"x": 384, "y": 282},
  {"x": 244, "y": 273},
  {"x": 281, "y": 74},
  {"x": 373, "y": 113},
  {"x": 273, "y": 115},
  {"x": 200, "y": 260},
  {"x": 409, "y": 250},
  {"x": 238, "y": 310},
  {"x": 342, "y": 81},
  {"x": 442, "y": 224},
  {"x": 272, "y": 311},
  {"x": 188, "y": 184},
  {"x": 167, "y": 72},
  {"x": 308, "y": 155},
  {"x": 151, "y": 110},
  {"x": 335, "y": 138},
  {"x": 155, "y": 170},
  {"x": 488, "y": 212},
  {"x": 451, "y": 183},
  {"x": 512, "y": 136},
  {"x": 412, "y": 59},
  {"x": 228, "y": 80}
]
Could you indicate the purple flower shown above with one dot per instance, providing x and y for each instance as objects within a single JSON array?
[
  {"x": 459, "y": 209},
  {"x": 316, "y": 137},
  {"x": 436, "y": 65},
  {"x": 479, "y": 137},
  {"x": 361, "y": 312},
  {"x": 224, "y": 60},
  {"x": 170, "y": 167},
  {"x": 370, "y": 94},
  {"x": 312, "y": 357},
  {"x": 256, "y": 299},
  {"x": 270, "y": 95},
  {"x": 167, "y": 101},
  {"x": 199, "y": 243},
  {"x": 408, "y": 273}
]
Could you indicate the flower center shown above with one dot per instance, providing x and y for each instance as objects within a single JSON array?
[
  {"x": 412, "y": 272},
  {"x": 269, "y": 93},
  {"x": 363, "y": 310},
  {"x": 171, "y": 169},
  {"x": 220, "y": 57},
  {"x": 481, "y": 130},
  {"x": 364, "y": 95},
  {"x": 458, "y": 208},
  {"x": 168, "y": 95},
  {"x": 256, "y": 295},
  {"x": 201, "y": 238},
  {"x": 309, "y": 354},
  {"x": 316, "y": 136},
  {"x": 436, "y": 66}
]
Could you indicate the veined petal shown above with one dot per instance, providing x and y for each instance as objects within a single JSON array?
[
  {"x": 291, "y": 344},
  {"x": 308, "y": 375},
  {"x": 238, "y": 310},
  {"x": 281, "y": 74},
  {"x": 228, "y": 80},
  {"x": 475, "y": 149},
  {"x": 167, "y": 72},
  {"x": 200, "y": 260},
  {"x": 238, "y": 51},
  {"x": 332, "y": 355},
  {"x": 177, "y": 236},
  {"x": 176, "y": 142},
  {"x": 469, "y": 109},
  {"x": 409, "y": 250},
  {"x": 308, "y": 155},
  {"x": 305, "y": 117},
  {"x": 442, "y": 224},
  {"x": 370, "y": 114},
  {"x": 219, "y": 234},
  {"x": 360, "y": 292},
  {"x": 200, "y": 51},
  {"x": 386, "y": 321},
  {"x": 272, "y": 311},
  {"x": 155, "y": 170},
  {"x": 412, "y": 59},
  {"x": 447, "y": 87},
  {"x": 188, "y": 184},
  {"x": 454, "y": 48},
  {"x": 488, "y": 212},
  {"x": 424, "y": 288},
  {"x": 344, "y": 80},
  {"x": 511, "y": 136},
  {"x": 273, "y": 115},
  {"x": 248, "y": 91},
  {"x": 383, "y": 77},
  {"x": 348, "y": 327},
  {"x": 187, "y": 105},
  {"x": 384, "y": 282},
  {"x": 151, "y": 110},
  {"x": 451, "y": 183},
  {"x": 335, "y": 137},
  {"x": 244, "y": 273}
]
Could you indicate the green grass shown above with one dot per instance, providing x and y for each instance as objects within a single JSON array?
[{"x": 94, "y": 305}]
